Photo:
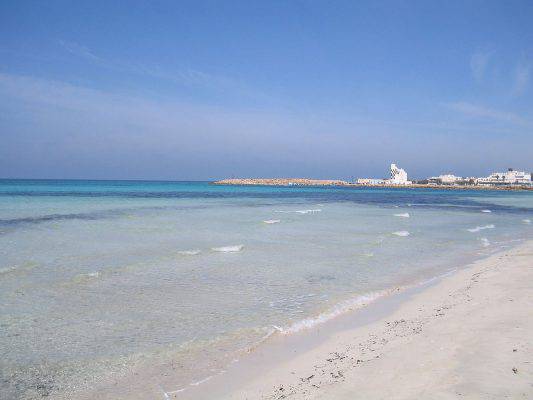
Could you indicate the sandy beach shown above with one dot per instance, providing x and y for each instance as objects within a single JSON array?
[
  {"x": 467, "y": 335},
  {"x": 258, "y": 200}
]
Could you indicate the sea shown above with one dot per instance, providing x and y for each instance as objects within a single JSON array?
[{"x": 101, "y": 280}]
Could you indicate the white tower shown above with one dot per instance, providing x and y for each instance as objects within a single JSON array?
[{"x": 398, "y": 176}]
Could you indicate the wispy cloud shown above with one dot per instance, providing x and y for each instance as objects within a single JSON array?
[
  {"x": 194, "y": 78},
  {"x": 479, "y": 62},
  {"x": 479, "y": 111},
  {"x": 155, "y": 137},
  {"x": 521, "y": 79},
  {"x": 48, "y": 125},
  {"x": 182, "y": 77},
  {"x": 79, "y": 50}
]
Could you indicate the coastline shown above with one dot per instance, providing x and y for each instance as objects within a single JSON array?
[
  {"x": 306, "y": 182},
  {"x": 465, "y": 334}
]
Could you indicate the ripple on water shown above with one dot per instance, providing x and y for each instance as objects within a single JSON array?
[{"x": 189, "y": 252}]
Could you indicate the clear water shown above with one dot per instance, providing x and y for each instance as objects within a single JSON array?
[{"x": 103, "y": 278}]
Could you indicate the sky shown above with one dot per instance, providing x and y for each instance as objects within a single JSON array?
[{"x": 201, "y": 90}]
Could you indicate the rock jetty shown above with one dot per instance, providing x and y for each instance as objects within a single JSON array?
[{"x": 283, "y": 182}]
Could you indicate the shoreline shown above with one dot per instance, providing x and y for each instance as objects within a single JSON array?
[
  {"x": 305, "y": 182},
  {"x": 339, "y": 358}
]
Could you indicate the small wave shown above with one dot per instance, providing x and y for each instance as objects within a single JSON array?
[
  {"x": 229, "y": 249},
  {"x": 82, "y": 278},
  {"x": 312, "y": 211},
  {"x": 486, "y": 211},
  {"x": 402, "y": 215},
  {"x": 308, "y": 211},
  {"x": 440, "y": 205},
  {"x": 401, "y": 233},
  {"x": 351, "y": 305},
  {"x": 480, "y": 228},
  {"x": 272, "y": 221},
  {"x": 201, "y": 381},
  {"x": 485, "y": 242},
  {"x": 526, "y": 221},
  {"x": 189, "y": 252},
  {"x": 339, "y": 309},
  {"x": 7, "y": 270},
  {"x": 173, "y": 392}
]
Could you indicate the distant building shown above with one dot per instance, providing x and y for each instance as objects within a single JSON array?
[
  {"x": 510, "y": 177},
  {"x": 447, "y": 179},
  {"x": 398, "y": 176}
]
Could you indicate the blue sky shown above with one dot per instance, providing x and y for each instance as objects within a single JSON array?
[{"x": 205, "y": 90}]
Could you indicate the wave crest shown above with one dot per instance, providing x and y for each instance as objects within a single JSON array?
[
  {"x": 310, "y": 211},
  {"x": 485, "y": 242},
  {"x": 402, "y": 215},
  {"x": 272, "y": 221},
  {"x": 401, "y": 233},
  {"x": 229, "y": 249},
  {"x": 481, "y": 228},
  {"x": 337, "y": 310},
  {"x": 189, "y": 252}
]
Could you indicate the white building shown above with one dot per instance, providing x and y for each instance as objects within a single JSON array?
[
  {"x": 446, "y": 179},
  {"x": 398, "y": 176},
  {"x": 510, "y": 177}
]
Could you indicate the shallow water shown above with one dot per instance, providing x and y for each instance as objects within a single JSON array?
[{"x": 99, "y": 278}]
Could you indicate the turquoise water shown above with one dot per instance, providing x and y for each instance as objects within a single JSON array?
[{"x": 103, "y": 279}]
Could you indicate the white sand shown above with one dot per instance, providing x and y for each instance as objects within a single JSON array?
[{"x": 469, "y": 336}]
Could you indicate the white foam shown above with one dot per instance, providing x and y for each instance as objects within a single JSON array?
[
  {"x": 201, "y": 381},
  {"x": 311, "y": 211},
  {"x": 526, "y": 221},
  {"x": 349, "y": 305},
  {"x": 166, "y": 394},
  {"x": 339, "y": 309},
  {"x": 485, "y": 242},
  {"x": 317, "y": 210},
  {"x": 480, "y": 228},
  {"x": 6, "y": 270},
  {"x": 486, "y": 211},
  {"x": 229, "y": 249},
  {"x": 86, "y": 277},
  {"x": 401, "y": 233},
  {"x": 402, "y": 215},
  {"x": 189, "y": 252},
  {"x": 272, "y": 221}
]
